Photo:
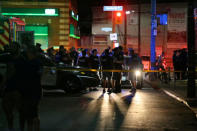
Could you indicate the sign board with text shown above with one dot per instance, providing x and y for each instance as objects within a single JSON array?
[
  {"x": 113, "y": 8},
  {"x": 113, "y": 36}
]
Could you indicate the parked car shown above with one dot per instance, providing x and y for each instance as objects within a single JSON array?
[
  {"x": 65, "y": 77},
  {"x": 58, "y": 76}
]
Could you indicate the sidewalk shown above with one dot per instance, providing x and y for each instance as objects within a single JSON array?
[{"x": 176, "y": 90}]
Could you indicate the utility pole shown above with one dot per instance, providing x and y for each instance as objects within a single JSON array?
[
  {"x": 191, "y": 90},
  {"x": 153, "y": 34},
  {"x": 125, "y": 27},
  {"x": 113, "y": 22},
  {"x": 139, "y": 27}
]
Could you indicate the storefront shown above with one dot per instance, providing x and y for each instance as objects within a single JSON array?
[{"x": 51, "y": 22}]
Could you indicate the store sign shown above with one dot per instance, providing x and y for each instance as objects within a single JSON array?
[
  {"x": 113, "y": 8},
  {"x": 106, "y": 29},
  {"x": 113, "y": 36},
  {"x": 50, "y": 11},
  {"x": 30, "y": 12},
  {"x": 74, "y": 15}
]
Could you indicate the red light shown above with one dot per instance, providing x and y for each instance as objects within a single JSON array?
[{"x": 118, "y": 14}]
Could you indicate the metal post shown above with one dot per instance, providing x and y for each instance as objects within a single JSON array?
[
  {"x": 113, "y": 22},
  {"x": 139, "y": 27},
  {"x": 125, "y": 29},
  {"x": 153, "y": 34},
  {"x": 191, "y": 91}
]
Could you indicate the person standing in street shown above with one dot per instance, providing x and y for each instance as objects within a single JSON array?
[
  {"x": 83, "y": 60},
  {"x": 38, "y": 48},
  {"x": 11, "y": 97},
  {"x": 94, "y": 63},
  {"x": 118, "y": 61},
  {"x": 94, "y": 60},
  {"x": 74, "y": 55},
  {"x": 50, "y": 53},
  {"x": 134, "y": 63},
  {"x": 62, "y": 56},
  {"x": 31, "y": 91},
  {"x": 107, "y": 64}
]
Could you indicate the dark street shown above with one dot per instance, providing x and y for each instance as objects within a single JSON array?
[{"x": 147, "y": 110}]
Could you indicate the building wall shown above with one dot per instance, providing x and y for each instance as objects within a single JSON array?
[
  {"x": 169, "y": 37},
  {"x": 58, "y": 26}
]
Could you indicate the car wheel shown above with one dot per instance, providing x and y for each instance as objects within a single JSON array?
[{"x": 72, "y": 85}]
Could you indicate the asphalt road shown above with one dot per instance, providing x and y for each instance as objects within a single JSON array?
[{"x": 145, "y": 110}]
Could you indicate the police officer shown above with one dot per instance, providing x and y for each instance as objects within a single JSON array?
[
  {"x": 94, "y": 63},
  {"x": 74, "y": 55},
  {"x": 94, "y": 60},
  {"x": 107, "y": 64},
  {"x": 83, "y": 60},
  {"x": 134, "y": 63},
  {"x": 118, "y": 60},
  {"x": 63, "y": 56}
]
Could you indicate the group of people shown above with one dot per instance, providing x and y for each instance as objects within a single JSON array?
[
  {"x": 21, "y": 87},
  {"x": 108, "y": 60},
  {"x": 180, "y": 63}
]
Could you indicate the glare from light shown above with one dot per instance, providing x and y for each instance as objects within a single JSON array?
[
  {"x": 133, "y": 11},
  {"x": 118, "y": 14},
  {"x": 128, "y": 12},
  {"x": 116, "y": 44},
  {"x": 137, "y": 73}
]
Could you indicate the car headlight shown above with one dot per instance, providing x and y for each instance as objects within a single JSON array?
[{"x": 137, "y": 73}]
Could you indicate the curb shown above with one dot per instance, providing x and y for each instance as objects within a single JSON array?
[
  {"x": 180, "y": 100},
  {"x": 194, "y": 110}
]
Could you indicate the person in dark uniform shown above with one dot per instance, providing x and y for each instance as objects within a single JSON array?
[
  {"x": 107, "y": 64},
  {"x": 74, "y": 55},
  {"x": 118, "y": 60},
  {"x": 94, "y": 63},
  {"x": 50, "y": 53},
  {"x": 134, "y": 63},
  {"x": 174, "y": 58},
  {"x": 83, "y": 60},
  {"x": 11, "y": 97},
  {"x": 31, "y": 90},
  {"x": 94, "y": 60},
  {"x": 38, "y": 48},
  {"x": 63, "y": 56}
]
